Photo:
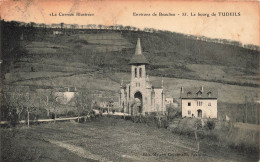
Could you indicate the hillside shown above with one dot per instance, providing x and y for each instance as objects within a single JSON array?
[
  {"x": 170, "y": 54},
  {"x": 98, "y": 60}
]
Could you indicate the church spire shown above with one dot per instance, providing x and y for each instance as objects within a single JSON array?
[
  {"x": 138, "y": 57},
  {"x": 138, "y": 49}
]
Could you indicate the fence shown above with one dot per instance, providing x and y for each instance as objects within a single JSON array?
[
  {"x": 60, "y": 119},
  {"x": 46, "y": 120}
]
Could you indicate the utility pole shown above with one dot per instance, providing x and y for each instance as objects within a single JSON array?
[
  {"x": 28, "y": 113},
  {"x": 28, "y": 121},
  {"x": 256, "y": 113},
  {"x": 246, "y": 107}
]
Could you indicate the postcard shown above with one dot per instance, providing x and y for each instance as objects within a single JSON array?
[{"x": 101, "y": 80}]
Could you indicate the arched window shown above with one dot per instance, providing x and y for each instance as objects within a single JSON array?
[
  {"x": 140, "y": 72},
  {"x": 136, "y": 72}
]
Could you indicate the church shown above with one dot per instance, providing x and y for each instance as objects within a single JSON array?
[{"x": 140, "y": 97}]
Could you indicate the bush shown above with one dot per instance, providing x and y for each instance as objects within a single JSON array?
[
  {"x": 164, "y": 123},
  {"x": 52, "y": 115},
  {"x": 153, "y": 114},
  {"x": 210, "y": 124},
  {"x": 150, "y": 120},
  {"x": 71, "y": 114},
  {"x": 198, "y": 124}
]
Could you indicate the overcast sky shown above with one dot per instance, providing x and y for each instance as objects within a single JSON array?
[{"x": 243, "y": 28}]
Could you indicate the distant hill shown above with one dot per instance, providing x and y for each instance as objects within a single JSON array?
[{"x": 41, "y": 49}]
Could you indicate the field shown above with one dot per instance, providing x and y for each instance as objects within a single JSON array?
[{"x": 107, "y": 139}]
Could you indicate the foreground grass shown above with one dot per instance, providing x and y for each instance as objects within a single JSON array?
[{"x": 105, "y": 139}]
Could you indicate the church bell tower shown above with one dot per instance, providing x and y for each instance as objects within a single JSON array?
[{"x": 138, "y": 71}]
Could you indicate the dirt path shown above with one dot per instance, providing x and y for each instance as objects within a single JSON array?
[
  {"x": 108, "y": 139},
  {"x": 78, "y": 151}
]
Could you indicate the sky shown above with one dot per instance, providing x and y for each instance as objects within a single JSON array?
[{"x": 242, "y": 25}]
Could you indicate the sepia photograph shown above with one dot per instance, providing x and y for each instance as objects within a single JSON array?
[{"x": 112, "y": 80}]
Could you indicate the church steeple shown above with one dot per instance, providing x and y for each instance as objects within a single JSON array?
[
  {"x": 138, "y": 62},
  {"x": 138, "y": 49},
  {"x": 138, "y": 57}
]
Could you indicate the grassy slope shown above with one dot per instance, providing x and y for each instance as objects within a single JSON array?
[
  {"x": 110, "y": 139},
  {"x": 90, "y": 60}
]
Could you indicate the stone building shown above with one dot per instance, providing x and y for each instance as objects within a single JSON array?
[
  {"x": 199, "y": 102},
  {"x": 140, "y": 96}
]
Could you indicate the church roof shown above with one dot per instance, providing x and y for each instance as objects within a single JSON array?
[
  {"x": 156, "y": 84},
  {"x": 203, "y": 92},
  {"x": 138, "y": 57}
]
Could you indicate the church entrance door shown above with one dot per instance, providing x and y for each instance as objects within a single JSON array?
[
  {"x": 138, "y": 102},
  {"x": 199, "y": 113}
]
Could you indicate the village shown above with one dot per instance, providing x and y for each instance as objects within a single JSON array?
[{"x": 72, "y": 87}]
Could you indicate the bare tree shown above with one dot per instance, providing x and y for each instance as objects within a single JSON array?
[
  {"x": 100, "y": 26},
  {"x": 13, "y": 105},
  {"x": 120, "y": 27},
  {"x": 61, "y": 25},
  {"x": 83, "y": 102},
  {"x": 127, "y": 28},
  {"x": 46, "y": 104},
  {"x": 19, "y": 105},
  {"x": 29, "y": 106}
]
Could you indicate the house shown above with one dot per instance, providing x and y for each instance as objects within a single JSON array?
[
  {"x": 169, "y": 100},
  {"x": 107, "y": 103},
  {"x": 65, "y": 95},
  {"x": 97, "y": 94},
  {"x": 56, "y": 26},
  {"x": 141, "y": 96},
  {"x": 104, "y": 102},
  {"x": 56, "y": 32},
  {"x": 199, "y": 102}
]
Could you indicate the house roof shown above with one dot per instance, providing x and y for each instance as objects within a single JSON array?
[
  {"x": 202, "y": 92},
  {"x": 107, "y": 99},
  {"x": 123, "y": 85},
  {"x": 138, "y": 57}
]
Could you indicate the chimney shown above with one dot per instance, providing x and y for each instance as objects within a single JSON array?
[
  {"x": 201, "y": 88},
  {"x": 162, "y": 83},
  {"x": 122, "y": 82},
  {"x": 138, "y": 50},
  {"x": 182, "y": 90}
]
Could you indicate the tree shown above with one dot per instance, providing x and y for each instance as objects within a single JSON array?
[
  {"x": 128, "y": 28},
  {"x": 46, "y": 104},
  {"x": 29, "y": 104},
  {"x": 53, "y": 102},
  {"x": 61, "y": 25},
  {"x": 32, "y": 24},
  {"x": 111, "y": 27},
  {"x": 100, "y": 26},
  {"x": 120, "y": 27},
  {"x": 19, "y": 104},
  {"x": 13, "y": 104},
  {"x": 6, "y": 106},
  {"x": 83, "y": 102},
  {"x": 94, "y": 26},
  {"x": 134, "y": 28}
]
